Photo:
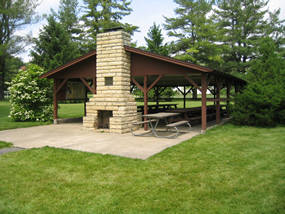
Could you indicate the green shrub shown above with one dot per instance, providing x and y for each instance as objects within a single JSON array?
[
  {"x": 30, "y": 97},
  {"x": 261, "y": 103}
]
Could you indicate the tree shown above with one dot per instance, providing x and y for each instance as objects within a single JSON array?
[
  {"x": 262, "y": 102},
  {"x": 54, "y": 47},
  {"x": 13, "y": 15},
  {"x": 68, "y": 17},
  {"x": 30, "y": 96},
  {"x": 100, "y": 15},
  {"x": 154, "y": 41},
  {"x": 155, "y": 44},
  {"x": 243, "y": 24},
  {"x": 12, "y": 66},
  {"x": 196, "y": 34}
]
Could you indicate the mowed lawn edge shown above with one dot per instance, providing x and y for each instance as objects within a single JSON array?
[
  {"x": 230, "y": 169},
  {"x": 5, "y": 144}
]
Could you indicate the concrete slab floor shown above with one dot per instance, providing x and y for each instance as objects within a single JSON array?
[{"x": 74, "y": 136}]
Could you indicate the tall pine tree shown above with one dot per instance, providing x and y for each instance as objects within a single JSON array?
[
  {"x": 242, "y": 23},
  {"x": 100, "y": 15},
  {"x": 54, "y": 46},
  {"x": 195, "y": 33},
  {"x": 68, "y": 16},
  {"x": 154, "y": 41}
]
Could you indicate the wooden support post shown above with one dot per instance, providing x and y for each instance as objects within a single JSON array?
[
  {"x": 215, "y": 92},
  {"x": 156, "y": 95},
  {"x": 228, "y": 99},
  {"x": 85, "y": 100},
  {"x": 218, "y": 106},
  {"x": 94, "y": 85},
  {"x": 204, "y": 102},
  {"x": 184, "y": 97},
  {"x": 55, "y": 107},
  {"x": 145, "y": 97}
]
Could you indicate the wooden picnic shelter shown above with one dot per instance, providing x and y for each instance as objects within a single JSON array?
[{"x": 149, "y": 70}]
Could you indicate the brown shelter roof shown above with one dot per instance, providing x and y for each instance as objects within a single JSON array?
[
  {"x": 186, "y": 65},
  {"x": 68, "y": 64}
]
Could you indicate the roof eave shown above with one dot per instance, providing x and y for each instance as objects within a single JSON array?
[{"x": 68, "y": 64}]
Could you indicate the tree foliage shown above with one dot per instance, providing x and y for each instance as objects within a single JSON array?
[
  {"x": 195, "y": 33},
  {"x": 68, "y": 16},
  {"x": 223, "y": 34},
  {"x": 54, "y": 47},
  {"x": 154, "y": 41},
  {"x": 99, "y": 15},
  {"x": 262, "y": 102},
  {"x": 13, "y": 15},
  {"x": 242, "y": 23},
  {"x": 30, "y": 97}
]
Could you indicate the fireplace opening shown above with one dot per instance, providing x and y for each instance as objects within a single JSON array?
[{"x": 104, "y": 119}]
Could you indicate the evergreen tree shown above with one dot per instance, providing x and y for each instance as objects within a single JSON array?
[
  {"x": 242, "y": 23},
  {"x": 100, "y": 15},
  {"x": 196, "y": 34},
  {"x": 54, "y": 47},
  {"x": 276, "y": 31},
  {"x": 156, "y": 45},
  {"x": 68, "y": 17},
  {"x": 154, "y": 41},
  {"x": 13, "y": 15},
  {"x": 262, "y": 102}
]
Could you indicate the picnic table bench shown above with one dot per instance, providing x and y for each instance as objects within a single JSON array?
[{"x": 153, "y": 120}]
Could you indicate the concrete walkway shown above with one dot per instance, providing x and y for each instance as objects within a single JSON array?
[{"x": 75, "y": 137}]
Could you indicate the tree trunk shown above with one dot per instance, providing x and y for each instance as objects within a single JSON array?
[{"x": 2, "y": 77}]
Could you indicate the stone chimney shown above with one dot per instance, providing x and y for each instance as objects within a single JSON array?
[{"x": 113, "y": 107}]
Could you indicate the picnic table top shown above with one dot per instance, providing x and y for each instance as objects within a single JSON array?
[
  {"x": 173, "y": 104},
  {"x": 161, "y": 115}
]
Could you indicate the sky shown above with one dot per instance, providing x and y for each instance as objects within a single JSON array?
[{"x": 144, "y": 14}]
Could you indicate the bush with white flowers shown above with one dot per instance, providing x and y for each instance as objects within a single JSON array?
[{"x": 30, "y": 96}]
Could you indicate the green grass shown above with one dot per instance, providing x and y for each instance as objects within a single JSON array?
[
  {"x": 4, "y": 144},
  {"x": 72, "y": 110},
  {"x": 65, "y": 111},
  {"x": 230, "y": 169},
  {"x": 7, "y": 123}
]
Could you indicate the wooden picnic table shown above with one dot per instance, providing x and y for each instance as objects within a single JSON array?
[
  {"x": 194, "y": 113},
  {"x": 157, "y": 117}
]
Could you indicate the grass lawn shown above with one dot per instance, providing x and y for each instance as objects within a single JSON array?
[
  {"x": 7, "y": 123},
  {"x": 230, "y": 169},
  {"x": 65, "y": 111},
  {"x": 4, "y": 144}
]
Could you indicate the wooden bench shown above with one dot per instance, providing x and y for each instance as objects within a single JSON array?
[{"x": 175, "y": 125}]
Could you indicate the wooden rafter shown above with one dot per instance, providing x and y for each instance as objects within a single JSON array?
[
  {"x": 87, "y": 85},
  {"x": 182, "y": 92},
  {"x": 61, "y": 85},
  {"x": 154, "y": 82},
  {"x": 137, "y": 84},
  {"x": 148, "y": 88},
  {"x": 193, "y": 83}
]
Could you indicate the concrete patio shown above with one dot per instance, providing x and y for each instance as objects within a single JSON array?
[{"x": 74, "y": 136}]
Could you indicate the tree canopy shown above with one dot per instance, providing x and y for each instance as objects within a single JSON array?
[
  {"x": 99, "y": 15},
  {"x": 13, "y": 15},
  {"x": 54, "y": 47}
]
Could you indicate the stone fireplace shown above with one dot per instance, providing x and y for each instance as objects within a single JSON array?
[{"x": 113, "y": 108}]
